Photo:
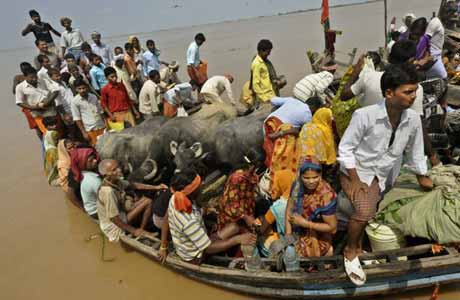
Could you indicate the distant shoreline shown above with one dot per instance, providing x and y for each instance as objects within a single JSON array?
[
  {"x": 299, "y": 11},
  {"x": 332, "y": 7},
  {"x": 113, "y": 37}
]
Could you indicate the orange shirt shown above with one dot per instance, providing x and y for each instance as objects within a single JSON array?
[{"x": 130, "y": 64}]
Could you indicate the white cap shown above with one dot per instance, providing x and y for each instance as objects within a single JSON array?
[{"x": 411, "y": 15}]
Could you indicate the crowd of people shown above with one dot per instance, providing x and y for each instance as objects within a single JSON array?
[{"x": 72, "y": 94}]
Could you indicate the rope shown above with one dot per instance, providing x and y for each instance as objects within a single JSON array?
[{"x": 104, "y": 239}]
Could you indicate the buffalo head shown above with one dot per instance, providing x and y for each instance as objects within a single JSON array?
[{"x": 188, "y": 157}]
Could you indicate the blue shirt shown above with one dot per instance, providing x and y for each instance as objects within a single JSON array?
[
  {"x": 193, "y": 54},
  {"x": 151, "y": 62},
  {"x": 98, "y": 80},
  {"x": 88, "y": 189},
  {"x": 278, "y": 209},
  {"x": 291, "y": 111}
]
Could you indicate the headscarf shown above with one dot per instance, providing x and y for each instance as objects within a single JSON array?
[
  {"x": 131, "y": 39},
  {"x": 181, "y": 202},
  {"x": 317, "y": 138},
  {"x": 298, "y": 190},
  {"x": 78, "y": 160},
  {"x": 323, "y": 190}
]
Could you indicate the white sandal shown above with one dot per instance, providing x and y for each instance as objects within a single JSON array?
[{"x": 355, "y": 271}]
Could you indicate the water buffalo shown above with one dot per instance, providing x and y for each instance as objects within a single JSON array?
[
  {"x": 231, "y": 142},
  {"x": 201, "y": 126},
  {"x": 130, "y": 146}
]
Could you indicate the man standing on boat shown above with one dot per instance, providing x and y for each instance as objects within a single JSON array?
[
  {"x": 41, "y": 30},
  {"x": 196, "y": 68},
  {"x": 372, "y": 148},
  {"x": 367, "y": 84}
]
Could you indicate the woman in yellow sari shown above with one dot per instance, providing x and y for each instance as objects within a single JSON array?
[{"x": 316, "y": 139}]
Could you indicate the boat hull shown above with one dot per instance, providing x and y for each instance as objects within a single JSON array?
[{"x": 393, "y": 277}]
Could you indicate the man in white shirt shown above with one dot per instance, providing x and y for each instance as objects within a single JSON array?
[
  {"x": 149, "y": 97},
  {"x": 43, "y": 78},
  {"x": 87, "y": 113},
  {"x": 101, "y": 49},
  {"x": 215, "y": 86},
  {"x": 372, "y": 147},
  {"x": 366, "y": 84},
  {"x": 194, "y": 59},
  {"x": 69, "y": 59},
  {"x": 42, "y": 47},
  {"x": 71, "y": 39},
  {"x": 38, "y": 101},
  {"x": 179, "y": 95}
]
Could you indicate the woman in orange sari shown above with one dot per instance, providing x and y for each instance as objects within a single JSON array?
[
  {"x": 281, "y": 129},
  {"x": 310, "y": 212}
]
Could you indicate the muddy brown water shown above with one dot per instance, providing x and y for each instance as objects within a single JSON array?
[{"x": 44, "y": 253}]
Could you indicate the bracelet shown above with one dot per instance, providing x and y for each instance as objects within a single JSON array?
[{"x": 163, "y": 248}]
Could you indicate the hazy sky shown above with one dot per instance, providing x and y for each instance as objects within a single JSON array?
[{"x": 117, "y": 17}]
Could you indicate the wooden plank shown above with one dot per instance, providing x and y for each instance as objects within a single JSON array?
[{"x": 451, "y": 250}]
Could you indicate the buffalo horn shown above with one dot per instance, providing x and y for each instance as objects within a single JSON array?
[
  {"x": 197, "y": 148},
  {"x": 152, "y": 174}
]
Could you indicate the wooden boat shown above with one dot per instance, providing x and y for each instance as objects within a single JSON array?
[
  {"x": 391, "y": 271},
  {"x": 397, "y": 270}
]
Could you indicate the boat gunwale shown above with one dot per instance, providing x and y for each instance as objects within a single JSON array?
[{"x": 376, "y": 271}]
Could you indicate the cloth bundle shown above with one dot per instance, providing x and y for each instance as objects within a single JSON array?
[{"x": 434, "y": 215}]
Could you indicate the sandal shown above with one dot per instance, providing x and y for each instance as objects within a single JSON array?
[{"x": 355, "y": 271}]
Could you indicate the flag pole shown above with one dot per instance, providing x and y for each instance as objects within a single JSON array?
[{"x": 386, "y": 22}]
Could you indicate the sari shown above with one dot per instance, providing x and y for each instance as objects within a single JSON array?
[
  {"x": 50, "y": 140},
  {"x": 63, "y": 166},
  {"x": 316, "y": 139},
  {"x": 312, "y": 206},
  {"x": 282, "y": 181},
  {"x": 343, "y": 110},
  {"x": 280, "y": 154},
  {"x": 423, "y": 47},
  {"x": 238, "y": 199}
]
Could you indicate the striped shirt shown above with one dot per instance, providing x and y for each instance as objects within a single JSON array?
[
  {"x": 313, "y": 85},
  {"x": 188, "y": 232}
]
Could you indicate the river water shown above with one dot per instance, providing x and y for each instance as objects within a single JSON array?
[{"x": 45, "y": 253}]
